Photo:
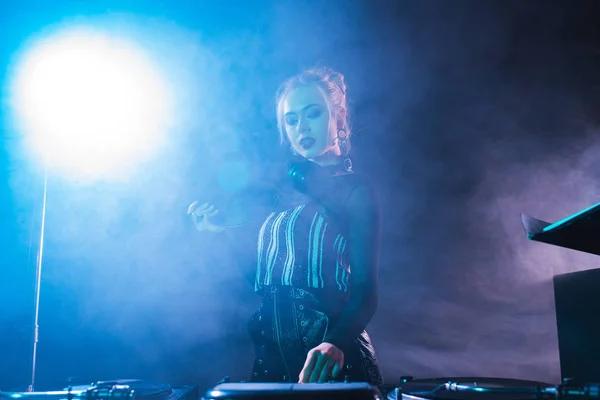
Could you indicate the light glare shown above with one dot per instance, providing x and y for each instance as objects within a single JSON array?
[{"x": 90, "y": 103}]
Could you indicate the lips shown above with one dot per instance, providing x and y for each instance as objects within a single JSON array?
[{"x": 307, "y": 142}]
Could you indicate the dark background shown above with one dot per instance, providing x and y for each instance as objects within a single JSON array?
[{"x": 465, "y": 114}]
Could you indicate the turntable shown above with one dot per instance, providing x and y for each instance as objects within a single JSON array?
[
  {"x": 470, "y": 388},
  {"x": 122, "y": 389}
]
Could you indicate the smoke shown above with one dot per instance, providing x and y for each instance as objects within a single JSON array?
[
  {"x": 124, "y": 269},
  {"x": 123, "y": 265},
  {"x": 464, "y": 116},
  {"x": 504, "y": 129}
]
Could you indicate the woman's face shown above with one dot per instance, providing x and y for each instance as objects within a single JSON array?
[{"x": 309, "y": 125}]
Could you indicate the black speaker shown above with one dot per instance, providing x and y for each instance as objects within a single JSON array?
[{"x": 577, "y": 302}]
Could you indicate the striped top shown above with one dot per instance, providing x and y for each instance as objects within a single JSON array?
[{"x": 302, "y": 247}]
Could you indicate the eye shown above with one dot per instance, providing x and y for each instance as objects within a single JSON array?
[
  {"x": 291, "y": 120},
  {"x": 314, "y": 112}
]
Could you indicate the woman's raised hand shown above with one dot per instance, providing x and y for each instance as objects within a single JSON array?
[{"x": 201, "y": 216}]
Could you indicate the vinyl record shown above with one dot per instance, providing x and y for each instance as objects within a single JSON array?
[{"x": 479, "y": 389}]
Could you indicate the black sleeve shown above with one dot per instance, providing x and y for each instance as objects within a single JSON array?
[
  {"x": 350, "y": 198},
  {"x": 363, "y": 216}
]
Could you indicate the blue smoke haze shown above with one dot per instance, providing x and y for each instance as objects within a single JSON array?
[{"x": 465, "y": 115}]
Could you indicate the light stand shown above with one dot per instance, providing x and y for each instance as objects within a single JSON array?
[{"x": 38, "y": 282}]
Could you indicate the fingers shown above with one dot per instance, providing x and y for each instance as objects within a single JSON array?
[
  {"x": 320, "y": 366},
  {"x": 324, "y": 362},
  {"x": 192, "y": 207},
  {"x": 203, "y": 210},
  {"x": 326, "y": 371},
  {"x": 309, "y": 365},
  {"x": 195, "y": 209},
  {"x": 201, "y": 216},
  {"x": 337, "y": 370}
]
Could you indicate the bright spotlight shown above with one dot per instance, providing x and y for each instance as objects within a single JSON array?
[{"x": 90, "y": 104}]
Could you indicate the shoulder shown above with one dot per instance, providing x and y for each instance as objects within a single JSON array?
[{"x": 359, "y": 196}]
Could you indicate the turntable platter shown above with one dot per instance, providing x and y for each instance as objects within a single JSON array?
[
  {"x": 434, "y": 389},
  {"x": 142, "y": 390}
]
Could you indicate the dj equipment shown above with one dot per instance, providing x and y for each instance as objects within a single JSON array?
[
  {"x": 577, "y": 299},
  {"x": 457, "y": 388},
  {"x": 308, "y": 391},
  {"x": 122, "y": 389},
  {"x": 577, "y": 304},
  {"x": 579, "y": 231},
  {"x": 490, "y": 389},
  {"x": 576, "y": 295}
]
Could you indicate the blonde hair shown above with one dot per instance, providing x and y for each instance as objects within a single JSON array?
[{"x": 330, "y": 83}]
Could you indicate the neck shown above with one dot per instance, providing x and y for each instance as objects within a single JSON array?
[{"x": 328, "y": 159}]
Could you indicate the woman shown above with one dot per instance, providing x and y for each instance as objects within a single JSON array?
[{"x": 318, "y": 249}]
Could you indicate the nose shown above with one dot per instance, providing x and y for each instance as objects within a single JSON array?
[{"x": 303, "y": 126}]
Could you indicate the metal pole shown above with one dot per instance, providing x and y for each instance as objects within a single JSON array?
[{"x": 38, "y": 283}]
